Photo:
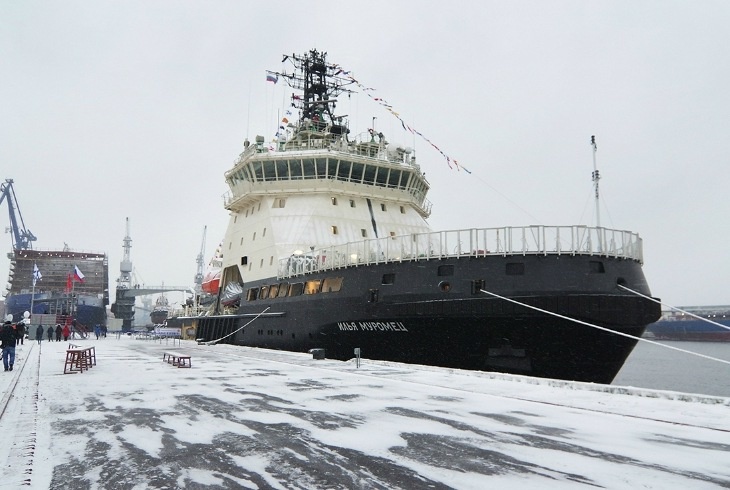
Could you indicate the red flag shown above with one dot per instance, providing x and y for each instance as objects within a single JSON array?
[{"x": 69, "y": 283}]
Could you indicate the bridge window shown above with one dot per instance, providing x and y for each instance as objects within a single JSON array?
[
  {"x": 309, "y": 172},
  {"x": 394, "y": 178},
  {"x": 369, "y": 175},
  {"x": 282, "y": 170},
  {"x": 334, "y": 201},
  {"x": 364, "y": 232},
  {"x": 273, "y": 291},
  {"x": 343, "y": 171},
  {"x": 334, "y": 230},
  {"x": 251, "y": 294},
  {"x": 383, "y": 207},
  {"x": 279, "y": 202},
  {"x": 382, "y": 177},
  {"x": 352, "y": 203},
  {"x": 358, "y": 170},
  {"x": 321, "y": 168}
]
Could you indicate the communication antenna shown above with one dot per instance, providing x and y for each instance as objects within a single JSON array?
[{"x": 596, "y": 177}]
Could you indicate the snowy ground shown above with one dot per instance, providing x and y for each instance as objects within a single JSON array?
[{"x": 251, "y": 418}]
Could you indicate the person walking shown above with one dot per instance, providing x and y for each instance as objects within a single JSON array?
[
  {"x": 50, "y": 333},
  {"x": 20, "y": 333},
  {"x": 7, "y": 336},
  {"x": 97, "y": 331},
  {"x": 59, "y": 330},
  {"x": 66, "y": 332},
  {"x": 39, "y": 333}
]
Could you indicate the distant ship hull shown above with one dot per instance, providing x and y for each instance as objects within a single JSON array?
[
  {"x": 415, "y": 320},
  {"x": 690, "y": 330},
  {"x": 84, "y": 301}
]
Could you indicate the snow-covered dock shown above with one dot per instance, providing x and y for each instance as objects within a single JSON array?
[{"x": 252, "y": 418}]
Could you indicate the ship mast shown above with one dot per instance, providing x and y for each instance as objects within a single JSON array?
[{"x": 321, "y": 83}]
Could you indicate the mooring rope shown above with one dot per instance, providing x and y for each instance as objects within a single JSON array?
[
  {"x": 211, "y": 342},
  {"x": 674, "y": 307},
  {"x": 604, "y": 328}
]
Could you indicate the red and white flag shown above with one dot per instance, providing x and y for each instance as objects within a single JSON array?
[{"x": 78, "y": 276}]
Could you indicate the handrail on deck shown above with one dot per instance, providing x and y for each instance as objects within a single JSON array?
[{"x": 471, "y": 242}]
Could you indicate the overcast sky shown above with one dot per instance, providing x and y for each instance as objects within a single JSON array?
[{"x": 115, "y": 109}]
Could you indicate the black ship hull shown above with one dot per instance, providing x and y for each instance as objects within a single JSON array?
[{"x": 435, "y": 312}]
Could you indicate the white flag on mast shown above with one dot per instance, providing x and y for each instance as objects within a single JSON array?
[{"x": 37, "y": 276}]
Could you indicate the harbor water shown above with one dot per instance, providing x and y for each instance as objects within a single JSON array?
[{"x": 652, "y": 366}]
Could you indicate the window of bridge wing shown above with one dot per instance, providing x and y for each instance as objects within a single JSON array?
[
  {"x": 273, "y": 291},
  {"x": 282, "y": 169},
  {"x": 270, "y": 170},
  {"x": 394, "y": 178},
  {"x": 308, "y": 168},
  {"x": 258, "y": 170},
  {"x": 246, "y": 173},
  {"x": 251, "y": 294},
  {"x": 263, "y": 292},
  {"x": 283, "y": 289}
]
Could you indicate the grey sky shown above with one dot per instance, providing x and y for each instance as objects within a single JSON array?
[{"x": 136, "y": 109}]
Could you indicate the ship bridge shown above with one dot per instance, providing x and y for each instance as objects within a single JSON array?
[{"x": 318, "y": 162}]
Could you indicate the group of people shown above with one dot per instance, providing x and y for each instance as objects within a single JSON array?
[
  {"x": 12, "y": 334},
  {"x": 59, "y": 331}
]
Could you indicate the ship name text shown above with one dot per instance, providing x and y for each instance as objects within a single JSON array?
[{"x": 372, "y": 326}]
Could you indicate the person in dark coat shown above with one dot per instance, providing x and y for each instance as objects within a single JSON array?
[
  {"x": 39, "y": 333},
  {"x": 59, "y": 330},
  {"x": 19, "y": 333},
  {"x": 7, "y": 341},
  {"x": 50, "y": 333}
]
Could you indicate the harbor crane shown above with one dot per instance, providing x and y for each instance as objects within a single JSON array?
[
  {"x": 23, "y": 238},
  {"x": 200, "y": 261}
]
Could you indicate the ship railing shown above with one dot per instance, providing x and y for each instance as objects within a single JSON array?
[{"x": 472, "y": 242}]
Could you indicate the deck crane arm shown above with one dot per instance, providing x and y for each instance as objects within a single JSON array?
[{"x": 22, "y": 237}]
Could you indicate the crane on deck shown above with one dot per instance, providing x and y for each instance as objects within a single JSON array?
[
  {"x": 200, "y": 261},
  {"x": 23, "y": 238}
]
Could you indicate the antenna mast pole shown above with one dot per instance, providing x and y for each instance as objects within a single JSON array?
[{"x": 596, "y": 177}]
